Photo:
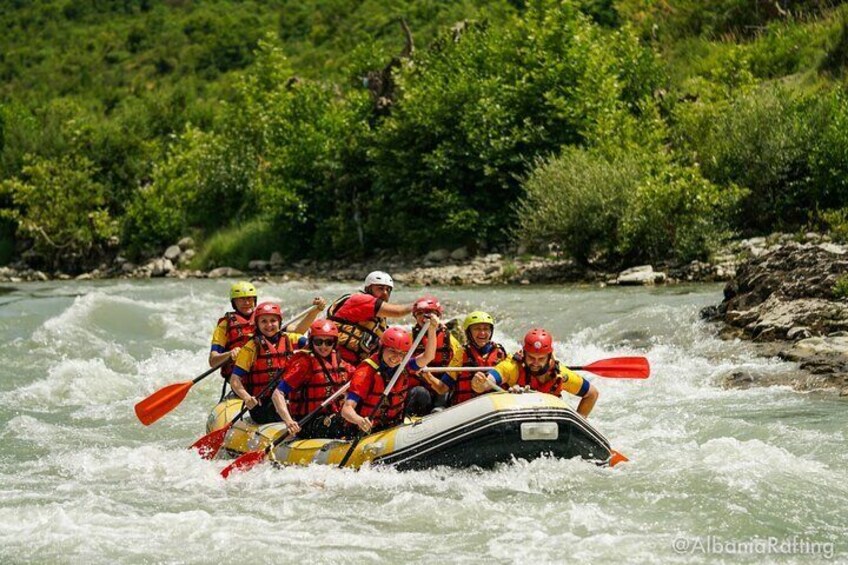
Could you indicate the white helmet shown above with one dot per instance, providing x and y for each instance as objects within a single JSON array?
[{"x": 379, "y": 277}]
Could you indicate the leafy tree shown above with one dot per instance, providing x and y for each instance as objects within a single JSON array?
[{"x": 60, "y": 205}]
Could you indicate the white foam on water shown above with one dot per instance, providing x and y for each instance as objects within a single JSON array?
[{"x": 85, "y": 482}]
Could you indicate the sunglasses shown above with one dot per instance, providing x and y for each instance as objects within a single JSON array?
[{"x": 318, "y": 342}]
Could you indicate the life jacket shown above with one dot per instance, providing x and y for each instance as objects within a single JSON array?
[
  {"x": 444, "y": 353},
  {"x": 239, "y": 332},
  {"x": 325, "y": 379},
  {"x": 553, "y": 386},
  {"x": 269, "y": 359},
  {"x": 462, "y": 390},
  {"x": 361, "y": 339},
  {"x": 392, "y": 412}
]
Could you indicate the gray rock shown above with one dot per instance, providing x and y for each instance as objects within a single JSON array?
[
  {"x": 493, "y": 258},
  {"x": 160, "y": 267},
  {"x": 84, "y": 277},
  {"x": 437, "y": 256},
  {"x": 460, "y": 253},
  {"x": 258, "y": 265},
  {"x": 221, "y": 272},
  {"x": 40, "y": 276},
  {"x": 186, "y": 256},
  {"x": 642, "y": 275},
  {"x": 186, "y": 243},
  {"x": 798, "y": 332},
  {"x": 172, "y": 253},
  {"x": 276, "y": 259},
  {"x": 128, "y": 267},
  {"x": 832, "y": 248}
]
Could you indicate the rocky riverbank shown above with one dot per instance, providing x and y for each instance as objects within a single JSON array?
[
  {"x": 792, "y": 302},
  {"x": 440, "y": 267}
]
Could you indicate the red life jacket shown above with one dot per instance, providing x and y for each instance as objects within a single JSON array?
[
  {"x": 392, "y": 412},
  {"x": 473, "y": 358},
  {"x": 325, "y": 379},
  {"x": 269, "y": 359},
  {"x": 239, "y": 332},
  {"x": 553, "y": 386},
  {"x": 357, "y": 340},
  {"x": 444, "y": 353}
]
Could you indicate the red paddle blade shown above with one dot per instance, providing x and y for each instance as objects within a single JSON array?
[
  {"x": 616, "y": 458},
  {"x": 209, "y": 445},
  {"x": 161, "y": 402},
  {"x": 620, "y": 368},
  {"x": 244, "y": 463}
]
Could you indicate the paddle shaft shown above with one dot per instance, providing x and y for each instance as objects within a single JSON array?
[
  {"x": 462, "y": 369},
  {"x": 388, "y": 390}
]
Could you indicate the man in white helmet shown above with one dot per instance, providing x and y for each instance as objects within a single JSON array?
[{"x": 361, "y": 316}]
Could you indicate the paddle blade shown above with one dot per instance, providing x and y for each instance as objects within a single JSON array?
[
  {"x": 161, "y": 402},
  {"x": 244, "y": 463},
  {"x": 209, "y": 445},
  {"x": 620, "y": 368},
  {"x": 616, "y": 458}
]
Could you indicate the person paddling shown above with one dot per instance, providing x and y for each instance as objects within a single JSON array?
[
  {"x": 311, "y": 377},
  {"x": 234, "y": 329},
  {"x": 265, "y": 354},
  {"x": 372, "y": 375},
  {"x": 479, "y": 351},
  {"x": 535, "y": 366},
  {"x": 431, "y": 391},
  {"x": 361, "y": 317}
]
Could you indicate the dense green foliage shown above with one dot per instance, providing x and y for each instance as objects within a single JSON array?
[{"x": 621, "y": 130}]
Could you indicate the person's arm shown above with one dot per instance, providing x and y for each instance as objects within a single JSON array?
[
  {"x": 244, "y": 362},
  {"x": 241, "y": 392},
  {"x": 430, "y": 349},
  {"x": 573, "y": 383},
  {"x": 588, "y": 401},
  {"x": 279, "y": 400},
  {"x": 349, "y": 414},
  {"x": 505, "y": 374},
  {"x": 218, "y": 352},
  {"x": 389, "y": 310},
  {"x": 318, "y": 304}
]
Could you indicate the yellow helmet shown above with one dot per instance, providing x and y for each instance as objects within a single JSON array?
[
  {"x": 477, "y": 317},
  {"x": 242, "y": 289}
]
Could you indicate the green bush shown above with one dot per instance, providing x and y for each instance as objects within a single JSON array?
[
  {"x": 677, "y": 213},
  {"x": 236, "y": 246},
  {"x": 577, "y": 200},
  {"x": 62, "y": 208},
  {"x": 761, "y": 141},
  {"x": 474, "y": 114}
]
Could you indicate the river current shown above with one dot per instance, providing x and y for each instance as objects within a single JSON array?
[{"x": 716, "y": 475}]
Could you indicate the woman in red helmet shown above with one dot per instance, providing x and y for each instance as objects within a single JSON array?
[
  {"x": 535, "y": 366},
  {"x": 372, "y": 375},
  {"x": 432, "y": 391},
  {"x": 311, "y": 377},
  {"x": 263, "y": 358}
]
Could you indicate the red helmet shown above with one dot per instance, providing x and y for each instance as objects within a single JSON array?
[
  {"x": 324, "y": 328},
  {"x": 427, "y": 304},
  {"x": 267, "y": 308},
  {"x": 397, "y": 338},
  {"x": 538, "y": 340}
]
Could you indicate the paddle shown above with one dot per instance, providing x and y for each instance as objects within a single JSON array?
[
  {"x": 384, "y": 398},
  {"x": 612, "y": 368},
  {"x": 252, "y": 458},
  {"x": 167, "y": 398},
  {"x": 209, "y": 445}
]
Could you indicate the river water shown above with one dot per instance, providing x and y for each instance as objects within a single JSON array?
[{"x": 715, "y": 475}]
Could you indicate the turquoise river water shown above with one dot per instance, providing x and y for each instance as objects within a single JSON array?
[{"x": 716, "y": 475}]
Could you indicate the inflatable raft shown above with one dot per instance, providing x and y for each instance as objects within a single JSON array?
[{"x": 490, "y": 429}]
